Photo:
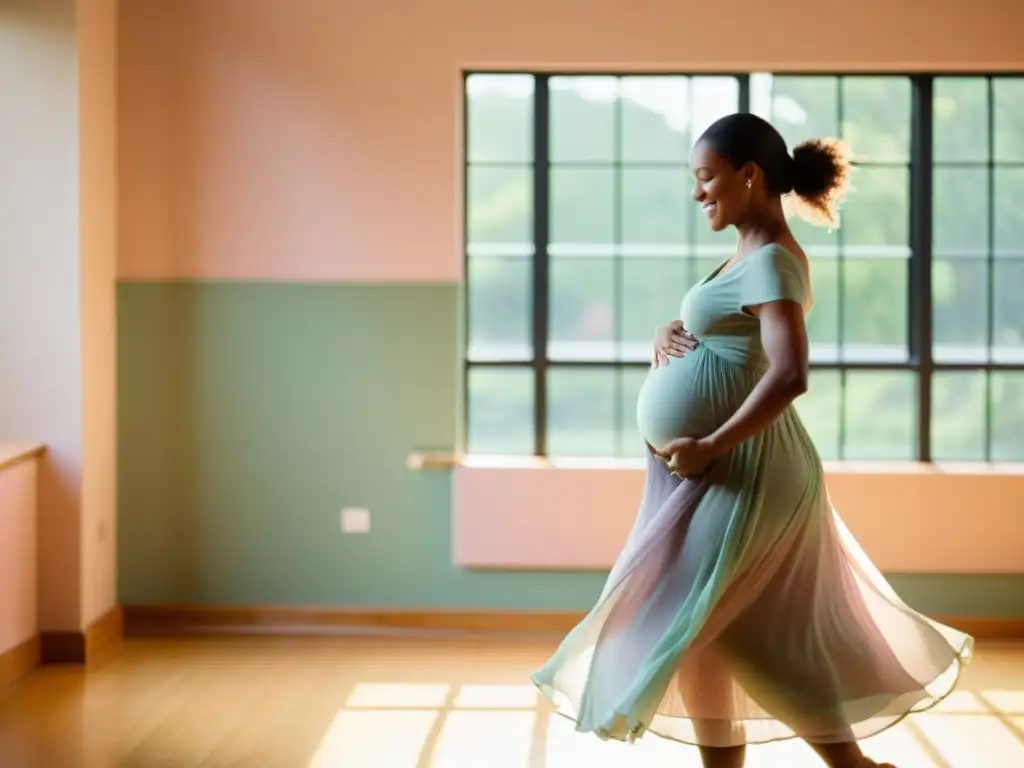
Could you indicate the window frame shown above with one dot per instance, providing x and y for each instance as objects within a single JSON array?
[{"x": 921, "y": 165}]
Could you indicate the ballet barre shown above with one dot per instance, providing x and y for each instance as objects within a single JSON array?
[{"x": 424, "y": 460}]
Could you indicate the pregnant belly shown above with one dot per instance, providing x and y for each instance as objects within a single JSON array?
[{"x": 675, "y": 400}]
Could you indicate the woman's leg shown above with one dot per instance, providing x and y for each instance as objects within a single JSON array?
[
  {"x": 723, "y": 757},
  {"x": 845, "y": 755},
  {"x": 706, "y": 687}
]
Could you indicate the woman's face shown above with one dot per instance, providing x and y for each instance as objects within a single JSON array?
[{"x": 720, "y": 189}]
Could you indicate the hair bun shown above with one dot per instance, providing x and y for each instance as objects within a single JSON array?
[{"x": 820, "y": 173}]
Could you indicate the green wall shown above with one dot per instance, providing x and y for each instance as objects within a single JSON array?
[{"x": 249, "y": 414}]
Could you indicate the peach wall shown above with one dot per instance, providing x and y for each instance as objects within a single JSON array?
[
  {"x": 908, "y": 518},
  {"x": 275, "y": 139},
  {"x": 40, "y": 359},
  {"x": 97, "y": 121},
  {"x": 58, "y": 262},
  {"x": 19, "y": 583}
]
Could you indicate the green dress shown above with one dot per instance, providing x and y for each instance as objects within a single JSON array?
[{"x": 741, "y": 610}]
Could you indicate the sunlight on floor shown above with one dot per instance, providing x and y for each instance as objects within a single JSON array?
[{"x": 509, "y": 726}]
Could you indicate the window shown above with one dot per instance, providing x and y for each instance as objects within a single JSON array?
[
  {"x": 977, "y": 269},
  {"x": 582, "y": 237}
]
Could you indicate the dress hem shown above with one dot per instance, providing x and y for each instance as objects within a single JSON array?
[{"x": 636, "y": 732}]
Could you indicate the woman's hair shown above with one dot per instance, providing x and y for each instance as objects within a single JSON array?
[{"x": 817, "y": 173}]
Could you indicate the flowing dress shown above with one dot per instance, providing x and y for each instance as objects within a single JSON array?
[{"x": 741, "y": 610}]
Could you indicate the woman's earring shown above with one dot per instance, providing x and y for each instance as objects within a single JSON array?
[{"x": 750, "y": 183}]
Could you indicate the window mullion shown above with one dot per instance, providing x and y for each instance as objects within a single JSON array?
[
  {"x": 990, "y": 238},
  {"x": 920, "y": 304},
  {"x": 618, "y": 268},
  {"x": 841, "y": 294},
  {"x": 541, "y": 265},
  {"x": 744, "y": 92}
]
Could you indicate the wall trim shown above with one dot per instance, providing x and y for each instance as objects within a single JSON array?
[
  {"x": 86, "y": 647},
  {"x": 173, "y": 620},
  {"x": 62, "y": 648},
  {"x": 908, "y": 518},
  {"x": 19, "y": 660},
  {"x": 158, "y": 620},
  {"x": 12, "y": 454}
]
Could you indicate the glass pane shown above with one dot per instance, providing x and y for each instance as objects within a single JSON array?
[
  {"x": 652, "y": 292},
  {"x": 958, "y": 416},
  {"x": 960, "y": 220},
  {"x": 1009, "y": 213},
  {"x": 1007, "y": 403},
  {"x": 880, "y": 415},
  {"x": 1008, "y": 107},
  {"x": 500, "y": 414},
  {"x": 960, "y": 309},
  {"x": 713, "y": 246},
  {"x": 713, "y": 97},
  {"x": 1008, "y": 311},
  {"x": 500, "y": 118},
  {"x": 583, "y": 118},
  {"x": 582, "y": 309},
  {"x": 655, "y": 118},
  {"x": 631, "y": 444},
  {"x": 876, "y": 117},
  {"x": 582, "y": 205},
  {"x": 875, "y": 316},
  {"x": 823, "y": 319},
  {"x": 500, "y": 308},
  {"x": 877, "y": 213},
  {"x": 805, "y": 108},
  {"x": 499, "y": 205},
  {"x": 582, "y": 405},
  {"x": 761, "y": 87},
  {"x": 655, "y": 205},
  {"x": 820, "y": 411},
  {"x": 960, "y": 115},
  {"x": 703, "y": 269},
  {"x": 816, "y": 240}
]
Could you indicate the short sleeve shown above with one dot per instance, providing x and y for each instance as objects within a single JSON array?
[{"x": 772, "y": 274}]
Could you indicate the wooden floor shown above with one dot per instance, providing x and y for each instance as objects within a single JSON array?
[{"x": 361, "y": 702}]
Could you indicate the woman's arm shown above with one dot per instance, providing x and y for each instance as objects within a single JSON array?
[{"x": 784, "y": 338}]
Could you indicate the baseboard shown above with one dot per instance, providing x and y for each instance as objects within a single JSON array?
[
  {"x": 86, "y": 647},
  {"x": 19, "y": 660},
  {"x": 986, "y": 628},
  {"x": 162, "y": 620},
  {"x": 199, "y": 619},
  {"x": 104, "y": 635},
  {"x": 62, "y": 648}
]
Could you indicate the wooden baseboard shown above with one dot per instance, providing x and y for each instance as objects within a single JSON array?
[
  {"x": 19, "y": 660},
  {"x": 195, "y": 619},
  {"x": 160, "y": 620},
  {"x": 986, "y": 628},
  {"x": 104, "y": 635},
  {"x": 87, "y": 646},
  {"x": 62, "y": 648}
]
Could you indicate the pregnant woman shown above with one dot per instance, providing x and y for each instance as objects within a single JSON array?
[{"x": 741, "y": 610}]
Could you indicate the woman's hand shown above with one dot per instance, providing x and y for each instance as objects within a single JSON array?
[
  {"x": 671, "y": 340},
  {"x": 687, "y": 456}
]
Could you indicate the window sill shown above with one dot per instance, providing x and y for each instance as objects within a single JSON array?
[
  {"x": 12, "y": 454},
  {"x": 447, "y": 460},
  {"x": 910, "y": 517}
]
